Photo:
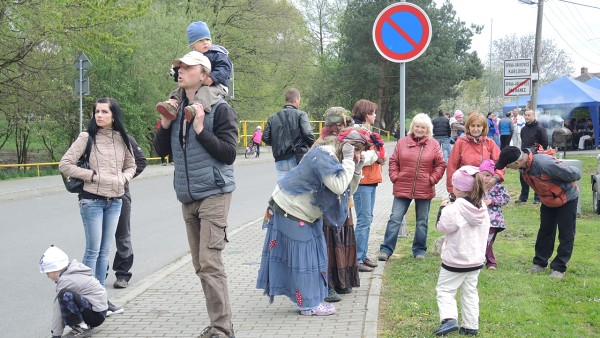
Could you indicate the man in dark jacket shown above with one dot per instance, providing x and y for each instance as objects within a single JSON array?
[
  {"x": 124, "y": 255},
  {"x": 531, "y": 133},
  {"x": 203, "y": 150},
  {"x": 441, "y": 132},
  {"x": 289, "y": 134},
  {"x": 555, "y": 183}
]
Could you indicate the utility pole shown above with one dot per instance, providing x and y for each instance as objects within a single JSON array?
[{"x": 536, "y": 55}]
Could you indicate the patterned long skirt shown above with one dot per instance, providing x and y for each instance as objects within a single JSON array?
[
  {"x": 294, "y": 261},
  {"x": 341, "y": 254}
]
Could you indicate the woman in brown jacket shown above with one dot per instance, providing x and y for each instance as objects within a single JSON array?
[
  {"x": 416, "y": 166},
  {"x": 111, "y": 166}
]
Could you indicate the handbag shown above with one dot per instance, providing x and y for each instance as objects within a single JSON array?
[{"x": 75, "y": 185}]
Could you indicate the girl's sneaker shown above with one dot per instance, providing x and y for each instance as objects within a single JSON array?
[{"x": 323, "y": 309}]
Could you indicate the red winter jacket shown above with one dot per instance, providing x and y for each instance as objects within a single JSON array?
[
  {"x": 468, "y": 151},
  {"x": 415, "y": 167}
]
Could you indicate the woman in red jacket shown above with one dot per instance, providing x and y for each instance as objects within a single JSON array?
[
  {"x": 472, "y": 148},
  {"x": 416, "y": 165}
]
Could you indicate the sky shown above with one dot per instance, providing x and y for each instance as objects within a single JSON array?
[{"x": 574, "y": 28}]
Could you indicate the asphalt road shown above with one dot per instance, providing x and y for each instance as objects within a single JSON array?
[{"x": 30, "y": 224}]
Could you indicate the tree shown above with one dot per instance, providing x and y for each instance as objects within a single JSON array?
[
  {"x": 554, "y": 62},
  {"x": 36, "y": 52}
]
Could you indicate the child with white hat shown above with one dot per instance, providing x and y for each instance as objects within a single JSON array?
[{"x": 81, "y": 301}]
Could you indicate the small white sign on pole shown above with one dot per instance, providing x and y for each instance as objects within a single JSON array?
[
  {"x": 517, "y": 68},
  {"x": 517, "y": 86}
]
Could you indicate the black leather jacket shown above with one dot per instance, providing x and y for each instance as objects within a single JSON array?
[{"x": 288, "y": 131}]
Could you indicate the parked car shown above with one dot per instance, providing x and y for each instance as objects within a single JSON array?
[{"x": 596, "y": 188}]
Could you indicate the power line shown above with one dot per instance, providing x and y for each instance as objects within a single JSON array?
[
  {"x": 575, "y": 3},
  {"x": 565, "y": 41}
]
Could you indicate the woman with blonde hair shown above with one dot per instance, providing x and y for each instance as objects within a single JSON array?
[{"x": 416, "y": 166}]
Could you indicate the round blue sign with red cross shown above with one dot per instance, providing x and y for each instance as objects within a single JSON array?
[{"x": 402, "y": 32}]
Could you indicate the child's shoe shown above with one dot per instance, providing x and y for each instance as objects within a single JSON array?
[
  {"x": 78, "y": 332},
  {"x": 448, "y": 325},
  {"x": 468, "y": 332},
  {"x": 190, "y": 112},
  {"x": 166, "y": 110}
]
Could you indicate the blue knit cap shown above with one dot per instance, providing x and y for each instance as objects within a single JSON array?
[{"x": 196, "y": 31}]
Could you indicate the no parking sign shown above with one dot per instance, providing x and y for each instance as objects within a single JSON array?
[{"x": 402, "y": 32}]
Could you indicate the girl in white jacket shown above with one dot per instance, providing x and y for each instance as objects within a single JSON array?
[{"x": 466, "y": 224}]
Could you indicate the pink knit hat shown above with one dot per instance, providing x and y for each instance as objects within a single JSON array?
[
  {"x": 487, "y": 165},
  {"x": 458, "y": 114},
  {"x": 463, "y": 178}
]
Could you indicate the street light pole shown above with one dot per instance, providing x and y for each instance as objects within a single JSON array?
[{"x": 536, "y": 55}]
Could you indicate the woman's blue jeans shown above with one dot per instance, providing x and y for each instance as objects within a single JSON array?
[
  {"x": 364, "y": 202},
  {"x": 399, "y": 209},
  {"x": 100, "y": 218}
]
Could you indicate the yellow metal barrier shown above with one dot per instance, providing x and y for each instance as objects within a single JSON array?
[
  {"x": 53, "y": 164},
  {"x": 246, "y": 129}
]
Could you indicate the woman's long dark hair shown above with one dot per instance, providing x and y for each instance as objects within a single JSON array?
[{"x": 114, "y": 107}]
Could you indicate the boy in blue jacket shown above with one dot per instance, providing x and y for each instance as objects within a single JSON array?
[{"x": 215, "y": 87}]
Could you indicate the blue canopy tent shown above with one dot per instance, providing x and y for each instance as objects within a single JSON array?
[
  {"x": 561, "y": 96},
  {"x": 594, "y": 82}
]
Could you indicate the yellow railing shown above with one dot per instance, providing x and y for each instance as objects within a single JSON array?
[
  {"x": 246, "y": 129},
  {"x": 27, "y": 166}
]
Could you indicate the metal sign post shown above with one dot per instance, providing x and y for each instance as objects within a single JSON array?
[
  {"x": 82, "y": 86},
  {"x": 401, "y": 33}
]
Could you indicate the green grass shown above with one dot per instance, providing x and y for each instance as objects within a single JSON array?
[{"x": 512, "y": 303}]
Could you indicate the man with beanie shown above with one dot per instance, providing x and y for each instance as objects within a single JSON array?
[
  {"x": 554, "y": 182},
  {"x": 81, "y": 301},
  {"x": 215, "y": 86},
  {"x": 531, "y": 133},
  {"x": 203, "y": 151},
  {"x": 441, "y": 132},
  {"x": 289, "y": 134}
]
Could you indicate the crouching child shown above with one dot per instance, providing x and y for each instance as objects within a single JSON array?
[{"x": 81, "y": 301}]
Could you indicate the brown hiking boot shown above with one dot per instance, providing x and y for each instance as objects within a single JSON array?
[
  {"x": 190, "y": 112},
  {"x": 166, "y": 110}
]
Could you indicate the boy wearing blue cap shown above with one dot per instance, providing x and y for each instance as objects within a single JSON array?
[
  {"x": 216, "y": 85},
  {"x": 81, "y": 301}
]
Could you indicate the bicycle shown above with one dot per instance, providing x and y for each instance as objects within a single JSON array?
[{"x": 250, "y": 149}]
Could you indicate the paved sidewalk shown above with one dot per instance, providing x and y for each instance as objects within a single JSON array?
[{"x": 170, "y": 303}]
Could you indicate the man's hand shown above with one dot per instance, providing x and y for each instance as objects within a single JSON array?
[
  {"x": 199, "y": 118},
  {"x": 166, "y": 123}
]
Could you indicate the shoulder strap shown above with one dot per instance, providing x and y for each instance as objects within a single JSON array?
[{"x": 88, "y": 148}]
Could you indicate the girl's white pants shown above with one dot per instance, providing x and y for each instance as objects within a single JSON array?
[{"x": 448, "y": 284}]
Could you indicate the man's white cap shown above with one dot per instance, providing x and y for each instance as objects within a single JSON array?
[
  {"x": 54, "y": 259},
  {"x": 193, "y": 58}
]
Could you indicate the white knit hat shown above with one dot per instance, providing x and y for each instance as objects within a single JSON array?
[{"x": 54, "y": 259}]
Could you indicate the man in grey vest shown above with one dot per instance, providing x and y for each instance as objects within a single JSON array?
[{"x": 203, "y": 150}]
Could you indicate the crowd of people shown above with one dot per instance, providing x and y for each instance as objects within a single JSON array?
[{"x": 313, "y": 250}]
